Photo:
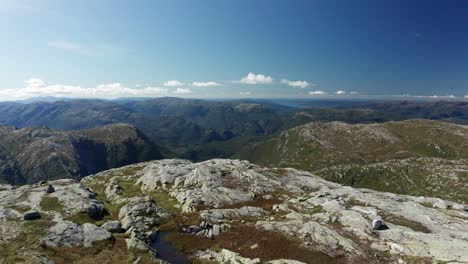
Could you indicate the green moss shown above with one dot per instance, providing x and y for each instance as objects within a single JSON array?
[
  {"x": 49, "y": 203},
  {"x": 163, "y": 199},
  {"x": 26, "y": 245},
  {"x": 130, "y": 188},
  {"x": 317, "y": 209},
  {"x": 21, "y": 208}
]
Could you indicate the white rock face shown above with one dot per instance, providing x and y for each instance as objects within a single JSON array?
[
  {"x": 212, "y": 183},
  {"x": 93, "y": 233},
  {"x": 141, "y": 214},
  {"x": 226, "y": 256},
  {"x": 221, "y": 215}
]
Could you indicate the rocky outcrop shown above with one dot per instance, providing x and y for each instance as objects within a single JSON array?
[
  {"x": 227, "y": 215},
  {"x": 211, "y": 183},
  {"x": 225, "y": 199},
  {"x": 141, "y": 214}
]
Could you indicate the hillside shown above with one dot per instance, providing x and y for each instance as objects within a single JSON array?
[
  {"x": 223, "y": 211},
  {"x": 387, "y": 156},
  {"x": 31, "y": 155}
]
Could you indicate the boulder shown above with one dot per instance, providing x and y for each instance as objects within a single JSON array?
[
  {"x": 113, "y": 226},
  {"x": 50, "y": 189},
  {"x": 64, "y": 234},
  {"x": 9, "y": 214},
  {"x": 96, "y": 211},
  {"x": 31, "y": 215},
  {"x": 93, "y": 233},
  {"x": 377, "y": 224}
]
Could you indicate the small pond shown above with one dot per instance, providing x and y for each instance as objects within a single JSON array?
[{"x": 165, "y": 250}]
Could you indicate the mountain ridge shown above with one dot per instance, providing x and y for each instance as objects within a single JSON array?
[
  {"x": 33, "y": 154},
  {"x": 351, "y": 148}
]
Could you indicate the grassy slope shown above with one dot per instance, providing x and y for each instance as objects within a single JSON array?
[{"x": 370, "y": 155}]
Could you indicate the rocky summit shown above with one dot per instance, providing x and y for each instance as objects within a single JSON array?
[{"x": 223, "y": 211}]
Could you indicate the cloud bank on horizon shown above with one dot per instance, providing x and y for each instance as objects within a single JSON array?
[{"x": 35, "y": 87}]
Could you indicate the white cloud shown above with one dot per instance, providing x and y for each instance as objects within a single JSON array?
[
  {"x": 353, "y": 92},
  {"x": 297, "y": 84},
  {"x": 340, "y": 92},
  {"x": 450, "y": 96},
  {"x": 436, "y": 96},
  {"x": 182, "y": 91},
  {"x": 466, "y": 96},
  {"x": 37, "y": 88},
  {"x": 34, "y": 83},
  {"x": 205, "y": 84},
  {"x": 253, "y": 78},
  {"x": 173, "y": 83},
  {"x": 317, "y": 93},
  {"x": 245, "y": 93}
]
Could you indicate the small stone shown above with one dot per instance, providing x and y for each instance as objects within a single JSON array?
[
  {"x": 216, "y": 230},
  {"x": 440, "y": 204},
  {"x": 31, "y": 215},
  {"x": 50, "y": 189},
  {"x": 209, "y": 233},
  {"x": 377, "y": 224},
  {"x": 254, "y": 246}
]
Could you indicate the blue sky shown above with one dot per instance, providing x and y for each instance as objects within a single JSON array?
[{"x": 242, "y": 48}]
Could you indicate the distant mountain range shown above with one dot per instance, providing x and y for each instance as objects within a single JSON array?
[
  {"x": 30, "y": 155},
  {"x": 203, "y": 129}
]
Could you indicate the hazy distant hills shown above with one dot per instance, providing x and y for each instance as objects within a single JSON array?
[
  {"x": 204, "y": 129},
  {"x": 33, "y": 154},
  {"x": 180, "y": 124},
  {"x": 418, "y": 157}
]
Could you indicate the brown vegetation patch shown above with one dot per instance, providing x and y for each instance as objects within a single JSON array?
[
  {"x": 401, "y": 221},
  {"x": 101, "y": 253},
  {"x": 271, "y": 245},
  {"x": 266, "y": 204}
]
